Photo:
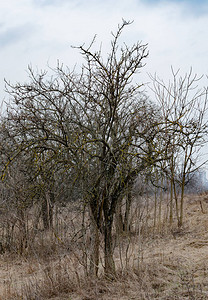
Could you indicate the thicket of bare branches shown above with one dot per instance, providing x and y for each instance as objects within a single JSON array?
[{"x": 93, "y": 139}]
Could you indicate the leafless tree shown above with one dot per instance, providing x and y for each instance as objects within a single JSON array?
[
  {"x": 96, "y": 124},
  {"x": 183, "y": 106}
]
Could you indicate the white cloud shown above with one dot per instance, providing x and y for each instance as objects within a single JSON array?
[{"x": 38, "y": 32}]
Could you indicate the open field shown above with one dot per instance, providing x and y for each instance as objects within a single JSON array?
[{"x": 157, "y": 264}]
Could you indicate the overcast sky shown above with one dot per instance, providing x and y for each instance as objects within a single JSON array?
[{"x": 40, "y": 32}]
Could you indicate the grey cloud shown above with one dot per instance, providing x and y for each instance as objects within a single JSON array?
[
  {"x": 69, "y": 3},
  {"x": 191, "y": 7},
  {"x": 15, "y": 34},
  {"x": 49, "y": 2}
]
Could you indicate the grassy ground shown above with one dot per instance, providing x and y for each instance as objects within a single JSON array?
[{"x": 170, "y": 264}]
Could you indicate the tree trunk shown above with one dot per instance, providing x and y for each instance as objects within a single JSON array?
[
  {"x": 23, "y": 237},
  {"x": 182, "y": 202},
  {"x": 160, "y": 209},
  {"x": 127, "y": 212},
  {"x": 171, "y": 201},
  {"x": 47, "y": 210},
  {"x": 119, "y": 220},
  {"x": 94, "y": 247},
  {"x": 155, "y": 209},
  {"x": 109, "y": 261},
  {"x": 176, "y": 202}
]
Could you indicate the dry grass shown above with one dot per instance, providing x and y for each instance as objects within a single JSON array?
[{"x": 165, "y": 264}]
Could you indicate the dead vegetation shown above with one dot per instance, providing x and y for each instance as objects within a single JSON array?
[{"x": 157, "y": 264}]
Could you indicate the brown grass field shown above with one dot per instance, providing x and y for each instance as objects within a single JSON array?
[{"x": 158, "y": 263}]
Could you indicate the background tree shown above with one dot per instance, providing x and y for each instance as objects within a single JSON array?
[{"x": 184, "y": 108}]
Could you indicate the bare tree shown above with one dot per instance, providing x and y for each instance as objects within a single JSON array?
[
  {"x": 183, "y": 105},
  {"x": 97, "y": 124}
]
